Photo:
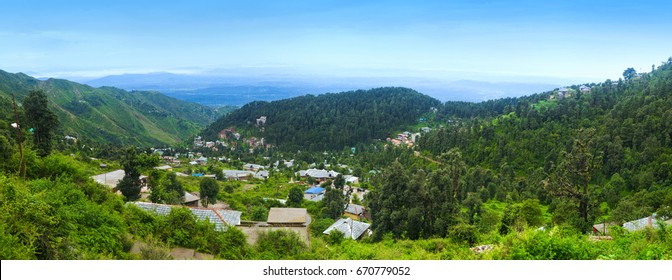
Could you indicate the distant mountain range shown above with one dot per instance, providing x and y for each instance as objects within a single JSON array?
[
  {"x": 112, "y": 115},
  {"x": 217, "y": 90}
]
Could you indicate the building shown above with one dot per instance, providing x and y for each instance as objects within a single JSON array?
[
  {"x": 351, "y": 229},
  {"x": 650, "y": 221},
  {"x": 238, "y": 174},
  {"x": 220, "y": 218},
  {"x": 313, "y": 192},
  {"x": 585, "y": 89},
  {"x": 320, "y": 175},
  {"x": 296, "y": 217},
  {"x": 191, "y": 200},
  {"x": 356, "y": 212},
  {"x": 111, "y": 179},
  {"x": 261, "y": 175}
]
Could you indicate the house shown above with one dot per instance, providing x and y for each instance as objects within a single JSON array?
[
  {"x": 350, "y": 179},
  {"x": 253, "y": 167},
  {"x": 320, "y": 175},
  {"x": 602, "y": 229},
  {"x": 351, "y": 229},
  {"x": 356, "y": 212},
  {"x": 220, "y": 218},
  {"x": 202, "y": 160},
  {"x": 425, "y": 129},
  {"x": 650, "y": 221},
  {"x": 584, "y": 89},
  {"x": 287, "y": 217},
  {"x": 262, "y": 175},
  {"x": 111, "y": 179},
  {"x": 261, "y": 121},
  {"x": 237, "y": 174},
  {"x": 190, "y": 200},
  {"x": 313, "y": 192}
]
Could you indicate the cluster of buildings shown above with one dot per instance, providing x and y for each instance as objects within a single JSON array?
[
  {"x": 406, "y": 138},
  {"x": 564, "y": 92}
]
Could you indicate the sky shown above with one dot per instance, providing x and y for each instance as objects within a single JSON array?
[{"x": 506, "y": 40}]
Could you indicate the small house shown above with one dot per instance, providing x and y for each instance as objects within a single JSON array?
[
  {"x": 313, "y": 192},
  {"x": 287, "y": 217},
  {"x": 351, "y": 229}
]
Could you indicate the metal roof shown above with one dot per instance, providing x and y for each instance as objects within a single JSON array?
[
  {"x": 314, "y": 190},
  {"x": 354, "y": 209},
  {"x": 216, "y": 217},
  {"x": 349, "y": 228}
]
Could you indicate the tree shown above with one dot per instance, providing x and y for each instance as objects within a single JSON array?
[
  {"x": 339, "y": 181},
  {"x": 209, "y": 191},
  {"x": 456, "y": 168},
  {"x": 130, "y": 184},
  {"x": 295, "y": 197},
  {"x": 173, "y": 189},
  {"x": 334, "y": 203},
  {"x": 42, "y": 120},
  {"x": 629, "y": 73},
  {"x": 572, "y": 176}
]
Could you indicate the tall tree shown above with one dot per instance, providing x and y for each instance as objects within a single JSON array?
[
  {"x": 572, "y": 176},
  {"x": 295, "y": 197},
  {"x": 41, "y": 120},
  {"x": 130, "y": 184},
  {"x": 209, "y": 191},
  {"x": 629, "y": 73}
]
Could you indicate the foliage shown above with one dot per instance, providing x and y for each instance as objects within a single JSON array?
[
  {"x": 41, "y": 120},
  {"x": 279, "y": 245},
  {"x": 130, "y": 183},
  {"x": 295, "y": 197},
  {"x": 328, "y": 121},
  {"x": 209, "y": 191}
]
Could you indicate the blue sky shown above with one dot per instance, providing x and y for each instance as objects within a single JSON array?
[{"x": 583, "y": 40}]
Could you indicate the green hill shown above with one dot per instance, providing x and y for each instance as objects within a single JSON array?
[
  {"x": 328, "y": 121},
  {"x": 111, "y": 115}
]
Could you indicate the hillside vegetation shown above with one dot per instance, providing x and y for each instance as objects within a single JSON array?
[
  {"x": 328, "y": 121},
  {"x": 110, "y": 115}
]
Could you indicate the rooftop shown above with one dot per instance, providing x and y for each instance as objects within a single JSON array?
[
  {"x": 220, "y": 218},
  {"x": 349, "y": 228},
  {"x": 287, "y": 216}
]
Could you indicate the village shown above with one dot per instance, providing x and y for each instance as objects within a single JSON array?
[{"x": 354, "y": 223}]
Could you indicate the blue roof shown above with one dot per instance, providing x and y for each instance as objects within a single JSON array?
[
  {"x": 314, "y": 190},
  {"x": 197, "y": 174}
]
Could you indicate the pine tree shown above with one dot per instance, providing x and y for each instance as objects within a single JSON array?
[{"x": 41, "y": 120}]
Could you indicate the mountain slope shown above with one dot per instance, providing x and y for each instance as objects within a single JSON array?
[
  {"x": 111, "y": 115},
  {"x": 328, "y": 121}
]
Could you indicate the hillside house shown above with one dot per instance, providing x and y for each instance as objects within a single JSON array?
[
  {"x": 191, "y": 200},
  {"x": 584, "y": 89},
  {"x": 288, "y": 217},
  {"x": 351, "y": 229},
  {"x": 356, "y": 212},
  {"x": 314, "y": 193},
  {"x": 319, "y": 175},
  {"x": 650, "y": 221},
  {"x": 238, "y": 175},
  {"x": 219, "y": 217}
]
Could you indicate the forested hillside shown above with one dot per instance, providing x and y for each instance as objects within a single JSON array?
[
  {"x": 110, "y": 115},
  {"x": 591, "y": 157},
  {"x": 328, "y": 121}
]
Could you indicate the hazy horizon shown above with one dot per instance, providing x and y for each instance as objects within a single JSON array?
[{"x": 499, "y": 41}]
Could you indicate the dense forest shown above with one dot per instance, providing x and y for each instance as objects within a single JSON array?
[
  {"x": 590, "y": 157},
  {"x": 328, "y": 121}
]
